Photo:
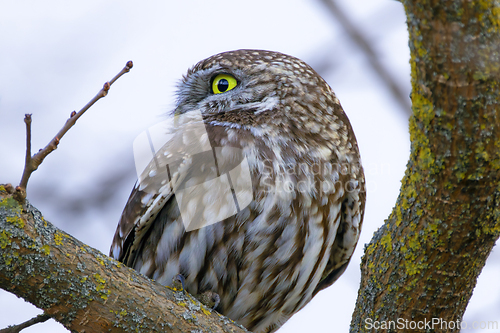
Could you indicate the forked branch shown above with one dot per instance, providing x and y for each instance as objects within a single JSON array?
[{"x": 33, "y": 162}]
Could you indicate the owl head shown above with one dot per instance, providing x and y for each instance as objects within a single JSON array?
[{"x": 256, "y": 88}]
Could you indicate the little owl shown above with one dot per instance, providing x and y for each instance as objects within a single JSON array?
[{"x": 288, "y": 222}]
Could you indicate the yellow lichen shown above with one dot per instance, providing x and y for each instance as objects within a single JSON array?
[
  {"x": 411, "y": 269},
  {"x": 100, "y": 285},
  {"x": 100, "y": 261},
  {"x": 399, "y": 216},
  {"x": 417, "y": 43},
  {"x": 100, "y": 282},
  {"x": 422, "y": 109},
  {"x": 58, "y": 238},
  {"x": 105, "y": 294},
  {"x": 5, "y": 239},
  {"x": 16, "y": 220},
  {"x": 46, "y": 249},
  {"x": 414, "y": 242},
  {"x": 370, "y": 249},
  {"x": 205, "y": 311},
  {"x": 386, "y": 241}
]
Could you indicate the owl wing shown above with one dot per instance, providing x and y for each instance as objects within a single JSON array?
[
  {"x": 180, "y": 137},
  {"x": 140, "y": 212},
  {"x": 351, "y": 220}
]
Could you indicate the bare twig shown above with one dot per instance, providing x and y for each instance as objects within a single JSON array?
[
  {"x": 27, "y": 120},
  {"x": 33, "y": 162},
  {"x": 354, "y": 33},
  {"x": 17, "y": 328}
]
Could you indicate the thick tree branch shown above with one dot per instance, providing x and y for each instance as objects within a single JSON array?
[
  {"x": 424, "y": 262},
  {"x": 85, "y": 290}
]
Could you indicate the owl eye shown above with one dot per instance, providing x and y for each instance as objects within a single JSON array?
[{"x": 222, "y": 83}]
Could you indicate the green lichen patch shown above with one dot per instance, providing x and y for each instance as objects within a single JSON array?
[{"x": 11, "y": 204}]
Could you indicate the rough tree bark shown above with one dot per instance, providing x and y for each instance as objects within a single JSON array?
[
  {"x": 424, "y": 261},
  {"x": 82, "y": 288}
]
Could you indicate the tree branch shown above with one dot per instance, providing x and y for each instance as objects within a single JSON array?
[
  {"x": 424, "y": 262},
  {"x": 359, "y": 39},
  {"x": 18, "y": 328},
  {"x": 33, "y": 162},
  {"x": 82, "y": 288}
]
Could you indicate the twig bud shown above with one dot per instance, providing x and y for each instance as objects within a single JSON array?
[
  {"x": 20, "y": 194},
  {"x": 9, "y": 188}
]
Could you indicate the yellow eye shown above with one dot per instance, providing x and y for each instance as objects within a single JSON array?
[{"x": 223, "y": 83}]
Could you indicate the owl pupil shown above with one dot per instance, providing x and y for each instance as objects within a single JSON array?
[{"x": 223, "y": 84}]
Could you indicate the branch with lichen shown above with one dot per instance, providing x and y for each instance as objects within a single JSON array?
[
  {"x": 423, "y": 263},
  {"x": 82, "y": 288},
  {"x": 33, "y": 162}
]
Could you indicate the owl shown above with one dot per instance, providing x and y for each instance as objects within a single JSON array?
[{"x": 258, "y": 193}]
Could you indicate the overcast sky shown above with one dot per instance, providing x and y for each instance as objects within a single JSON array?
[{"x": 55, "y": 55}]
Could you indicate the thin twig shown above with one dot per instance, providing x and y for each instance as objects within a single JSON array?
[
  {"x": 365, "y": 45},
  {"x": 33, "y": 162},
  {"x": 17, "y": 328},
  {"x": 27, "y": 120}
]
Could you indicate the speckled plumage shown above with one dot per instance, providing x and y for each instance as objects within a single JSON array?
[{"x": 298, "y": 233}]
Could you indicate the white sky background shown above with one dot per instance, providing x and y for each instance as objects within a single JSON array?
[{"x": 55, "y": 55}]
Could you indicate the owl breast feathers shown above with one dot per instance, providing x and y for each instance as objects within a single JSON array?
[{"x": 257, "y": 194}]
